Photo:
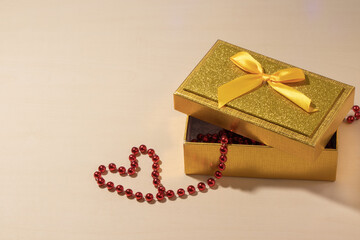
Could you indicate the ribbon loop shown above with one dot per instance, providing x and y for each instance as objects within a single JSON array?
[
  {"x": 246, "y": 62},
  {"x": 244, "y": 84}
]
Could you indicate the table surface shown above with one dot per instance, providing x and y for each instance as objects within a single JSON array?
[{"x": 81, "y": 82}]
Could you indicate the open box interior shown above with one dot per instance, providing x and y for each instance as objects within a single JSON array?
[{"x": 196, "y": 126}]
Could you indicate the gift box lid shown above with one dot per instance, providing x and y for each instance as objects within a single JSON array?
[{"x": 263, "y": 114}]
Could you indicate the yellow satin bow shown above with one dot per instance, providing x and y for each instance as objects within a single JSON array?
[{"x": 246, "y": 83}]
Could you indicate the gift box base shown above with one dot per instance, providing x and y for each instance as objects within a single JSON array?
[{"x": 256, "y": 161}]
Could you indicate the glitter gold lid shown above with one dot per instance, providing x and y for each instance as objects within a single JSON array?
[
  {"x": 265, "y": 103},
  {"x": 264, "y": 114}
]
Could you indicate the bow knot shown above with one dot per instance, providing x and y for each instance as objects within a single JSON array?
[
  {"x": 257, "y": 77},
  {"x": 267, "y": 77}
]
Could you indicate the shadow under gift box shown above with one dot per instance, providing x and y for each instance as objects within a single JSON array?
[{"x": 258, "y": 161}]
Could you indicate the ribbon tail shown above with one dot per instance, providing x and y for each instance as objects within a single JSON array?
[
  {"x": 238, "y": 87},
  {"x": 295, "y": 96}
]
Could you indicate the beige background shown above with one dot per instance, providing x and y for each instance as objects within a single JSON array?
[{"x": 81, "y": 82}]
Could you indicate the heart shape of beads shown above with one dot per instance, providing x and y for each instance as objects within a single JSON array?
[{"x": 161, "y": 190}]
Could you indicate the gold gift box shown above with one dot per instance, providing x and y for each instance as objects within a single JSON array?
[
  {"x": 258, "y": 161},
  {"x": 263, "y": 114}
]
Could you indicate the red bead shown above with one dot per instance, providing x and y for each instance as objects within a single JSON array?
[
  {"x": 131, "y": 171},
  {"x": 205, "y": 139},
  {"x": 97, "y": 174},
  {"x": 199, "y": 137},
  {"x": 150, "y": 152},
  {"x": 149, "y": 197},
  {"x": 112, "y": 167},
  {"x": 160, "y": 196},
  {"x": 101, "y": 181},
  {"x": 119, "y": 188},
  {"x": 357, "y": 115},
  {"x": 224, "y": 140},
  {"x": 191, "y": 189},
  {"x": 110, "y": 185},
  {"x": 155, "y": 158},
  {"x": 180, "y": 192},
  {"x": 132, "y": 157},
  {"x": 122, "y": 170},
  {"x": 102, "y": 168},
  {"x": 222, "y": 133},
  {"x": 161, "y": 189},
  {"x": 223, "y": 149},
  {"x": 138, "y": 195},
  {"x": 356, "y": 108},
  {"x": 170, "y": 193},
  {"x": 211, "y": 182},
  {"x": 223, "y": 158},
  {"x": 221, "y": 166},
  {"x": 142, "y": 148},
  {"x": 155, "y": 166},
  {"x": 218, "y": 174},
  {"x": 155, "y": 174},
  {"x": 214, "y": 138},
  {"x": 134, "y": 164},
  {"x": 135, "y": 150},
  {"x": 128, "y": 192},
  {"x": 350, "y": 119},
  {"x": 156, "y": 182},
  {"x": 201, "y": 186}
]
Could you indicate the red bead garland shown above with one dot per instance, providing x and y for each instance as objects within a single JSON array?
[
  {"x": 160, "y": 196},
  {"x": 356, "y": 108},
  {"x": 221, "y": 137},
  {"x": 131, "y": 171},
  {"x": 112, "y": 167},
  {"x": 102, "y": 168},
  {"x": 122, "y": 170},
  {"x": 356, "y": 116},
  {"x": 97, "y": 174},
  {"x": 119, "y": 188},
  {"x": 110, "y": 185},
  {"x": 181, "y": 192},
  {"x": 135, "y": 151},
  {"x": 218, "y": 174},
  {"x": 100, "y": 181},
  {"x": 211, "y": 182},
  {"x": 161, "y": 189},
  {"x": 150, "y": 152},
  {"x": 149, "y": 197},
  {"x": 191, "y": 189},
  {"x": 132, "y": 157},
  {"x": 170, "y": 193},
  {"x": 138, "y": 195},
  {"x": 221, "y": 166},
  {"x": 201, "y": 186},
  {"x": 156, "y": 182},
  {"x": 128, "y": 192},
  {"x": 162, "y": 192},
  {"x": 142, "y": 149},
  {"x": 350, "y": 119}
]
